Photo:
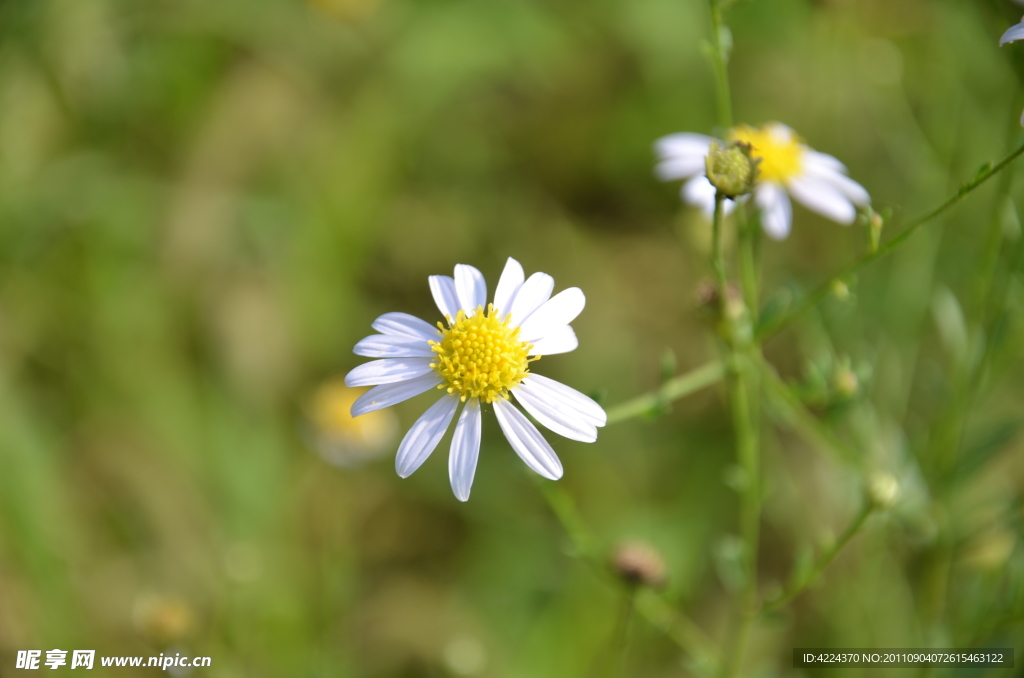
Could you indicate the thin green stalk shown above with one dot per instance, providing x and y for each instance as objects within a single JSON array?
[
  {"x": 719, "y": 63},
  {"x": 749, "y": 265},
  {"x": 822, "y": 563},
  {"x": 747, "y": 448},
  {"x": 661, "y": 614},
  {"x": 717, "y": 257},
  {"x": 823, "y": 290},
  {"x": 621, "y": 638},
  {"x": 750, "y": 518},
  {"x": 673, "y": 389}
]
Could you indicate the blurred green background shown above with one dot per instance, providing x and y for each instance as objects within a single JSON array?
[{"x": 203, "y": 205}]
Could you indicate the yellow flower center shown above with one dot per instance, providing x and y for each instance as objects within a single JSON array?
[
  {"x": 480, "y": 356},
  {"x": 781, "y": 156}
]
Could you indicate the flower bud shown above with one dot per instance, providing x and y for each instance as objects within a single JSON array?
[
  {"x": 846, "y": 382},
  {"x": 839, "y": 289},
  {"x": 639, "y": 563},
  {"x": 883, "y": 490},
  {"x": 875, "y": 224},
  {"x": 731, "y": 168}
]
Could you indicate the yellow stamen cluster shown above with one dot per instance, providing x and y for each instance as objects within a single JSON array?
[
  {"x": 480, "y": 356},
  {"x": 781, "y": 155}
]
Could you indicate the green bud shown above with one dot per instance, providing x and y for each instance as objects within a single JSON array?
[
  {"x": 875, "y": 223},
  {"x": 846, "y": 382},
  {"x": 839, "y": 289},
  {"x": 731, "y": 168},
  {"x": 883, "y": 490}
]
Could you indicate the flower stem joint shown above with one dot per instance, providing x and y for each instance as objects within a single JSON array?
[{"x": 731, "y": 168}]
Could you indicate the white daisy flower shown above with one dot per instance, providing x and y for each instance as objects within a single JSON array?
[
  {"x": 788, "y": 168},
  {"x": 479, "y": 359}
]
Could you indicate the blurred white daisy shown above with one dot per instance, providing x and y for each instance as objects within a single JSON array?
[
  {"x": 479, "y": 358},
  {"x": 788, "y": 167}
]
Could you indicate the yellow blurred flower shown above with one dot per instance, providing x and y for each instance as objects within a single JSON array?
[
  {"x": 340, "y": 438},
  {"x": 163, "y": 619}
]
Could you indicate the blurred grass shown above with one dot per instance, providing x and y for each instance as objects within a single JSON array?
[{"x": 204, "y": 205}]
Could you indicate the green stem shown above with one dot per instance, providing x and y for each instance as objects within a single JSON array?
[
  {"x": 747, "y": 447},
  {"x": 622, "y": 630},
  {"x": 719, "y": 60},
  {"x": 717, "y": 257},
  {"x": 673, "y": 389},
  {"x": 823, "y": 290},
  {"x": 748, "y": 261},
  {"x": 822, "y": 563}
]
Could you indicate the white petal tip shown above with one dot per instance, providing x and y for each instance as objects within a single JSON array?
[{"x": 1013, "y": 33}]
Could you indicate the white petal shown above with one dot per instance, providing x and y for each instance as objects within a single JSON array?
[
  {"x": 776, "y": 210},
  {"x": 699, "y": 192},
  {"x": 388, "y": 371},
  {"x": 681, "y": 167},
  {"x": 815, "y": 161},
  {"x": 561, "y": 340},
  {"x": 684, "y": 144},
  {"x": 563, "y": 421},
  {"x": 508, "y": 285},
  {"x": 379, "y": 397},
  {"x": 465, "y": 450},
  {"x": 556, "y": 312},
  {"x": 558, "y": 394},
  {"x": 443, "y": 289},
  {"x": 527, "y": 441},
  {"x": 405, "y": 325},
  {"x": 388, "y": 346},
  {"x": 470, "y": 287},
  {"x": 424, "y": 435},
  {"x": 822, "y": 197},
  {"x": 853, "y": 191},
  {"x": 1015, "y": 32},
  {"x": 534, "y": 292}
]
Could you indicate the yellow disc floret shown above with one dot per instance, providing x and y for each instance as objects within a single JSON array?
[
  {"x": 779, "y": 150},
  {"x": 480, "y": 356}
]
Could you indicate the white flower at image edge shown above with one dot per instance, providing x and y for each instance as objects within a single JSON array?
[
  {"x": 479, "y": 357},
  {"x": 787, "y": 168},
  {"x": 1012, "y": 34}
]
